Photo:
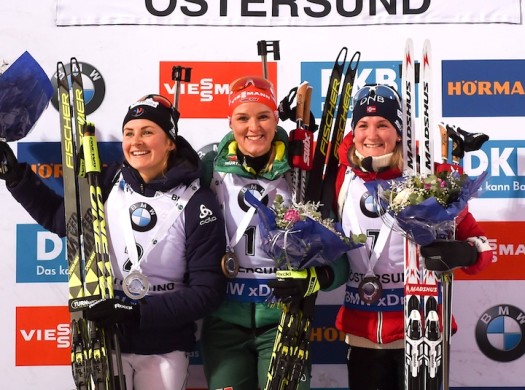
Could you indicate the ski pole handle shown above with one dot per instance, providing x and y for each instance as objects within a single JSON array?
[
  {"x": 299, "y": 108},
  {"x": 265, "y": 47},
  {"x": 179, "y": 74},
  {"x": 301, "y": 139},
  {"x": 458, "y": 147},
  {"x": 307, "y": 107},
  {"x": 444, "y": 142}
]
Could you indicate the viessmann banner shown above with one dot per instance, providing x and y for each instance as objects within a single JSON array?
[{"x": 285, "y": 13}]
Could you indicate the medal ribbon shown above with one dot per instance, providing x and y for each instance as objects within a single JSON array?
[
  {"x": 371, "y": 259},
  {"x": 175, "y": 212},
  {"x": 241, "y": 227}
]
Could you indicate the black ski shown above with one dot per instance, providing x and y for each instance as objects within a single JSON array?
[
  {"x": 87, "y": 250},
  {"x": 79, "y": 343},
  {"x": 332, "y": 162},
  {"x": 315, "y": 177},
  {"x": 291, "y": 348}
]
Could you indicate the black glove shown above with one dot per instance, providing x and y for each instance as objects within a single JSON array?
[
  {"x": 300, "y": 284},
  {"x": 445, "y": 255},
  {"x": 110, "y": 311},
  {"x": 10, "y": 169}
]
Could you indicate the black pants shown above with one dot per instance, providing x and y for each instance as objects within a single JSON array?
[{"x": 376, "y": 369}]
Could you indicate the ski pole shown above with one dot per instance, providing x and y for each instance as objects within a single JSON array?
[
  {"x": 446, "y": 277},
  {"x": 462, "y": 141},
  {"x": 265, "y": 47},
  {"x": 300, "y": 144},
  {"x": 308, "y": 143}
]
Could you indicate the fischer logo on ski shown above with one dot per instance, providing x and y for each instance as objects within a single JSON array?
[{"x": 89, "y": 268}]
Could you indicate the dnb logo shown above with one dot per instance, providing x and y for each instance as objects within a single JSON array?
[
  {"x": 94, "y": 87},
  {"x": 500, "y": 333}
]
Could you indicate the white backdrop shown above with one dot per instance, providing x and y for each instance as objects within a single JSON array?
[{"x": 132, "y": 61}]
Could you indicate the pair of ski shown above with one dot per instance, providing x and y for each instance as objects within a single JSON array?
[
  {"x": 427, "y": 328},
  {"x": 89, "y": 268},
  {"x": 314, "y": 175},
  {"x": 423, "y": 355}
]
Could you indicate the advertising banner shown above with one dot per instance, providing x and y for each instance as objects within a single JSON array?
[{"x": 289, "y": 13}]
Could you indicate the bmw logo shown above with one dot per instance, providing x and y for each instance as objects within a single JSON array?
[
  {"x": 500, "y": 333},
  {"x": 256, "y": 188},
  {"x": 207, "y": 148},
  {"x": 368, "y": 206},
  {"x": 143, "y": 217},
  {"x": 93, "y": 83}
]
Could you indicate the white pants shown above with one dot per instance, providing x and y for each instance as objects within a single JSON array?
[{"x": 155, "y": 372}]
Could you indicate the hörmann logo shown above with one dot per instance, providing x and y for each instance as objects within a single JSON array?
[
  {"x": 488, "y": 88},
  {"x": 483, "y": 88},
  {"x": 46, "y": 161}
]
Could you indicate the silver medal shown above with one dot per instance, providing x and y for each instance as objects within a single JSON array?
[
  {"x": 136, "y": 285},
  {"x": 370, "y": 289}
]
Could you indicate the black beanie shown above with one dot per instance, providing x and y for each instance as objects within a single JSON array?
[
  {"x": 155, "y": 108},
  {"x": 376, "y": 105}
]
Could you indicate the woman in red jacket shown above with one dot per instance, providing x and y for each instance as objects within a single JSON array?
[{"x": 375, "y": 330}]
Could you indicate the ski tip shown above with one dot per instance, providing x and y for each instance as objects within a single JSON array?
[
  {"x": 354, "y": 61},
  {"x": 344, "y": 50}
]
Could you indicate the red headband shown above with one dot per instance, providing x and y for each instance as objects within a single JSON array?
[{"x": 252, "y": 94}]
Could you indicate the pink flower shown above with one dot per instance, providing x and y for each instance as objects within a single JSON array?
[{"x": 292, "y": 216}]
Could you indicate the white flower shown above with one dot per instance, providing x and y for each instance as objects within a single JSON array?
[{"x": 401, "y": 199}]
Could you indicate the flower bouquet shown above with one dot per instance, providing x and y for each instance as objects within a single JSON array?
[
  {"x": 296, "y": 237},
  {"x": 25, "y": 92},
  {"x": 425, "y": 207}
]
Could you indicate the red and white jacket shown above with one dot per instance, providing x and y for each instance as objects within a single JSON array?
[{"x": 383, "y": 322}]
